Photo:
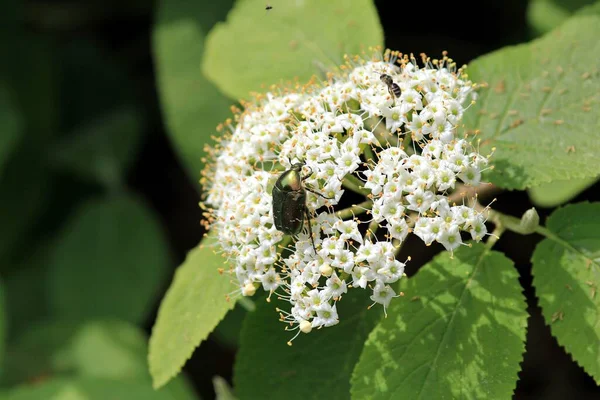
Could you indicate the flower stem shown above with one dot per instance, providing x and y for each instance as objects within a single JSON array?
[
  {"x": 369, "y": 154},
  {"x": 247, "y": 303},
  {"x": 494, "y": 236},
  {"x": 356, "y": 185},
  {"x": 506, "y": 221},
  {"x": 356, "y": 209},
  {"x": 372, "y": 229},
  {"x": 463, "y": 192}
]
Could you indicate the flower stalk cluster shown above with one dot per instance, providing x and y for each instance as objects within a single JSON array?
[{"x": 400, "y": 151}]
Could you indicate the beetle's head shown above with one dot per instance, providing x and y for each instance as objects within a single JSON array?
[{"x": 298, "y": 166}]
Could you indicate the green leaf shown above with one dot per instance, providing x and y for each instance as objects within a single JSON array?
[
  {"x": 109, "y": 261},
  {"x": 566, "y": 276},
  {"x": 539, "y": 108},
  {"x": 102, "y": 150},
  {"x": 88, "y": 389},
  {"x": 222, "y": 389},
  {"x": 545, "y": 15},
  {"x": 10, "y": 131},
  {"x": 317, "y": 366},
  {"x": 98, "y": 345},
  {"x": 32, "y": 355},
  {"x": 287, "y": 42},
  {"x": 109, "y": 349},
  {"x": 458, "y": 333},
  {"x": 191, "y": 105},
  {"x": 552, "y": 194},
  {"x": 592, "y": 9},
  {"x": 192, "y": 307},
  {"x": 58, "y": 389}
]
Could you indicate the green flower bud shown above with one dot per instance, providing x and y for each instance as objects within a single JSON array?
[{"x": 529, "y": 221}]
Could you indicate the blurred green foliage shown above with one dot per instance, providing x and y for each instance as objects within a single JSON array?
[
  {"x": 12, "y": 128},
  {"x": 545, "y": 15},
  {"x": 558, "y": 192},
  {"x": 286, "y": 44},
  {"x": 192, "y": 106},
  {"x": 113, "y": 246},
  {"x": 84, "y": 255},
  {"x": 2, "y": 325}
]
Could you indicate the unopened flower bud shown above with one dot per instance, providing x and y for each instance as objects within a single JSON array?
[
  {"x": 305, "y": 326},
  {"x": 325, "y": 269},
  {"x": 529, "y": 221},
  {"x": 249, "y": 290}
]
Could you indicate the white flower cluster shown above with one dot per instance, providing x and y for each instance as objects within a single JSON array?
[{"x": 352, "y": 133}]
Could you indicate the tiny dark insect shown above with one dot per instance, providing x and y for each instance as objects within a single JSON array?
[
  {"x": 289, "y": 202},
  {"x": 393, "y": 88}
]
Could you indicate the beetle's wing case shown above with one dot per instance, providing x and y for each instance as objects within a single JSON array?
[
  {"x": 278, "y": 202},
  {"x": 292, "y": 211},
  {"x": 289, "y": 202}
]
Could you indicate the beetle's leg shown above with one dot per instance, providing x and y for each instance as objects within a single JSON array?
[
  {"x": 318, "y": 194},
  {"x": 307, "y": 176},
  {"x": 312, "y": 191},
  {"x": 310, "y": 229}
]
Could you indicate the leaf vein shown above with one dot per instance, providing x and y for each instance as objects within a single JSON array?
[{"x": 437, "y": 352}]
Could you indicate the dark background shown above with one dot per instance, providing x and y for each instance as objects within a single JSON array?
[{"x": 120, "y": 32}]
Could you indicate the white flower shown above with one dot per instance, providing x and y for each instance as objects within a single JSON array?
[
  {"x": 349, "y": 230},
  {"x": 450, "y": 238},
  {"x": 394, "y": 118},
  {"x": 420, "y": 200},
  {"x": 399, "y": 230},
  {"x": 367, "y": 252},
  {"x": 478, "y": 230},
  {"x": 383, "y": 294},
  {"x": 336, "y": 286},
  {"x": 470, "y": 175},
  {"x": 343, "y": 260},
  {"x": 418, "y": 127},
  {"x": 326, "y": 316},
  {"x": 270, "y": 280},
  {"x": 428, "y": 229},
  {"x": 402, "y": 155},
  {"x": 391, "y": 271},
  {"x": 361, "y": 276}
]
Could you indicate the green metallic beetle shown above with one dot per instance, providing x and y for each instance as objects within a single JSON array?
[{"x": 289, "y": 202}]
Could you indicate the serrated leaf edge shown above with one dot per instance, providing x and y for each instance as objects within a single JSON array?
[
  {"x": 158, "y": 383},
  {"x": 558, "y": 240},
  {"x": 523, "y": 337}
]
